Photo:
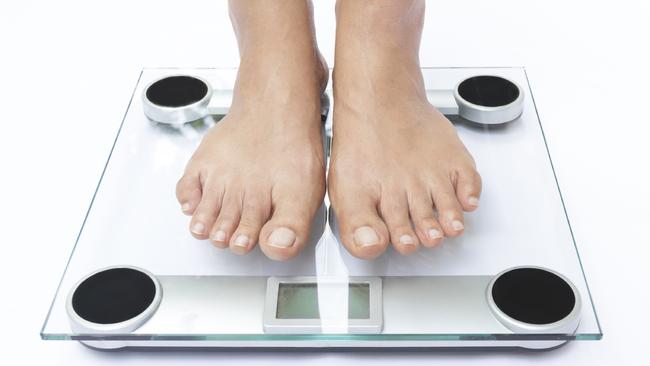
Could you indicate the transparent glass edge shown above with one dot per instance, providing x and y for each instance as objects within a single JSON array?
[
  {"x": 323, "y": 337},
  {"x": 422, "y": 67},
  {"x": 90, "y": 206},
  {"x": 564, "y": 208}
]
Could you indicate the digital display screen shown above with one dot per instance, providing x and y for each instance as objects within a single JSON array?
[{"x": 300, "y": 301}]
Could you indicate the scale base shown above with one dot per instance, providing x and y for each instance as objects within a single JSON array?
[{"x": 323, "y": 346}]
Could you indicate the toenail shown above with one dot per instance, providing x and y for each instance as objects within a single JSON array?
[
  {"x": 198, "y": 228},
  {"x": 242, "y": 240},
  {"x": 406, "y": 240},
  {"x": 282, "y": 237},
  {"x": 365, "y": 236},
  {"x": 220, "y": 235},
  {"x": 435, "y": 234},
  {"x": 185, "y": 207},
  {"x": 457, "y": 225},
  {"x": 473, "y": 201}
]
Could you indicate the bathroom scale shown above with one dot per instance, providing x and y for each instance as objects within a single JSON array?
[{"x": 137, "y": 278}]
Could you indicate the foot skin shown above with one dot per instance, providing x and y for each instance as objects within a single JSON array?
[
  {"x": 399, "y": 173},
  {"x": 258, "y": 175}
]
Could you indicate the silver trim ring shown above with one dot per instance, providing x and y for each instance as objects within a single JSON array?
[
  {"x": 490, "y": 115},
  {"x": 81, "y": 325},
  {"x": 567, "y": 325},
  {"x": 177, "y": 115}
]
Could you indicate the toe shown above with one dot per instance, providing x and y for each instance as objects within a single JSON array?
[
  {"x": 468, "y": 188},
  {"x": 228, "y": 219},
  {"x": 395, "y": 213},
  {"x": 362, "y": 230},
  {"x": 424, "y": 219},
  {"x": 450, "y": 214},
  {"x": 255, "y": 211},
  {"x": 206, "y": 211},
  {"x": 287, "y": 232},
  {"x": 188, "y": 192}
]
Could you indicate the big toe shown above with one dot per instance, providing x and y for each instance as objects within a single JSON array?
[
  {"x": 361, "y": 228},
  {"x": 287, "y": 232}
]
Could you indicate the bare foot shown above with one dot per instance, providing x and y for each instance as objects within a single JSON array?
[
  {"x": 399, "y": 173},
  {"x": 258, "y": 175}
]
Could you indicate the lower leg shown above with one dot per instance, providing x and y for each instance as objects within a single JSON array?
[
  {"x": 277, "y": 45},
  {"x": 384, "y": 38}
]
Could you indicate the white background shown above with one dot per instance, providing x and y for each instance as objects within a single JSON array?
[{"x": 67, "y": 70}]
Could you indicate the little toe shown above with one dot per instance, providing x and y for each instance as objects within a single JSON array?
[
  {"x": 228, "y": 219},
  {"x": 468, "y": 188},
  {"x": 206, "y": 212},
  {"x": 424, "y": 219},
  {"x": 188, "y": 192},
  {"x": 255, "y": 211},
  {"x": 362, "y": 230},
  {"x": 287, "y": 232},
  {"x": 395, "y": 213},
  {"x": 450, "y": 212}
]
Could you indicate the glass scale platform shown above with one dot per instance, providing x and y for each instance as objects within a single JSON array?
[{"x": 137, "y": 278}]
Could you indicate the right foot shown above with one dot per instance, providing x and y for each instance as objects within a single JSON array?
[{"x": 258, "y": 175}]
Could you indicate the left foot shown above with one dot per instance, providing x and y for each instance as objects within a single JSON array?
[{"x": 398, "y": 172}]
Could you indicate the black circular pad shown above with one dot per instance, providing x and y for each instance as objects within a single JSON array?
[
  {"x": 113, "y": 296},
  {"x": 488, "y": 91},
  {"x": 177, "y": 91},
  {"x": 533, "y": 296}
]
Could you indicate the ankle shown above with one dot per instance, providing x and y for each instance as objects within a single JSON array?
[
  {"x": 281, "y": 77},
  {"x": 380, "y": 86}
]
